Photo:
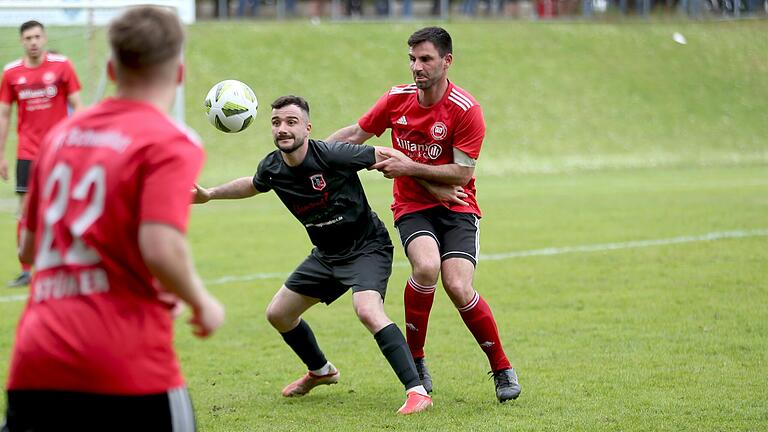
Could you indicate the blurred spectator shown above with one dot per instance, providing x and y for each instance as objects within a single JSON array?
[
  {"x": 252, "y": 5},
  {"x": 355, "y": 7},
  {"x": 381, "y": 7},
  {"x": 220, "y": 6},
  {"x": 407, "y": 11},
  {"x": 316, "y": 10}
]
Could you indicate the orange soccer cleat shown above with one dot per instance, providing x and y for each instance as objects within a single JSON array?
[
  {"x": 414, "y": 403},
  {"x": 303, "y": 385}
]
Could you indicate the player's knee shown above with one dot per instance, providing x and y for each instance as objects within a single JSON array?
[
  {"x": 426, "y": 271},
  {"x": 459, "y": 291},
  {"x": 370, "y": 315},
  {"x": 275, "y": 317}
]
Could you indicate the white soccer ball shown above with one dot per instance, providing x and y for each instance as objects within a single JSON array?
[{"x": 231, "y": 106}]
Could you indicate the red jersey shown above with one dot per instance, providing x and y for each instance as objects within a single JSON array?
[
  {"x": 428, "y": 136},
  {"x": 94, "y": 321},
  {"x": 41, "y": 94}
]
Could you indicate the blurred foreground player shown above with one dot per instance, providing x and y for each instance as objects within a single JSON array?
[{"x": 105, "y": 223}]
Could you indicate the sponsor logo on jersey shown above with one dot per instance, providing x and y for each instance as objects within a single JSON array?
[
  {"x": 318, "y": 182},
  {"x": 402, "y": 121},
  {"x": 420, "y": 151},
  {"x": 47, "y": 92},
  {"x": 438, "y": 131},
  {"x": 49, "y": 77}
]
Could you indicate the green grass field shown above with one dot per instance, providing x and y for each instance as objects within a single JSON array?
[{"x": 600, "y": 136}]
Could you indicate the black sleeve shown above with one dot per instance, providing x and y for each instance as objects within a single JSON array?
[
  {"x": 351, "y": 157},
  {"x": 259, "y": 179}
]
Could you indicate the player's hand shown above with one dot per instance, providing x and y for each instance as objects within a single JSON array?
[
  {"x": 4, "y": 169},
  {"x": 207, "y": 316},
  {"x": 447, "y": 193},
  {"x": 396, "y": 165},
  {"x": 200, "y": 195}
]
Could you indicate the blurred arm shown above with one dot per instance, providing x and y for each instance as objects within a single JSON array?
[
  {"x": 165, "y": 252},
  {"x": 27, "y": 246},
  {"x": 5, "y": 120},
  {"x": 74, "y": 101}
]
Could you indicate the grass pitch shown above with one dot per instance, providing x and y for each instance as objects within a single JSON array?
[{"x": 598, "y": 134}]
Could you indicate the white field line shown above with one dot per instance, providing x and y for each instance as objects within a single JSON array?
[{"x": 520, "y": 254}]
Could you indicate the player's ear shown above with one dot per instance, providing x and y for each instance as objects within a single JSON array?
[
  {"x": 448, "y": 59},
  {"x": 309, "y": 127},
  {"x": 111, "y": 70}
]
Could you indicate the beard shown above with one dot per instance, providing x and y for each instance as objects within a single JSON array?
[
  {"x": 297, "y": 143},
  {"x": 423, "y": 85}
]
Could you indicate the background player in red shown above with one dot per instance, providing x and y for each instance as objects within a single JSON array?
[
  {"x": 440, "y": 128},
  {"x": 105, "y": 222},
  {"x": 42, "y": 84}
]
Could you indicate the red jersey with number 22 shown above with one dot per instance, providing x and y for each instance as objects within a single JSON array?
[
  {"x": 428, "y": 135},
  {"x": 94, "y": 321}
]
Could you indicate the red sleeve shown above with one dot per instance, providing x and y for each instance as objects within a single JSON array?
[
  {"x": 376, "y": 120},
  {"x": 170, "y": 173},
  {"x": 470, "y": 132},
  {"x": 6, "y": 92},
  {"x": 73, "y": 83}
]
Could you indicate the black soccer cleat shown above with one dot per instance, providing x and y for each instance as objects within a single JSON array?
[
  {"x": 21, "y": 280},
  {"x": 507, "y": 387},
  {"x": 426, "y": 379}
]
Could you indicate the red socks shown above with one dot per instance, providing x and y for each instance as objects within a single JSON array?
[
  {"x": 418, "y": 304},
  {"x": 24, "y": 267},
  {"x": 479, "y": 319}
]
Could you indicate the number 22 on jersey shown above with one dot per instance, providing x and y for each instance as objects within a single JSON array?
[{"x": 60, "y": 181}]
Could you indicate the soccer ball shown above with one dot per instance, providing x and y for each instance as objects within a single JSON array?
[{"x": 231, "y": 106}]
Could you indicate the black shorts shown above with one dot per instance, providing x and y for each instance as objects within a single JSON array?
[
  {"x": 47, "y": 410},
  {"x": 328, "y": 280},
  {"x": 23, "y": 168},
  {"x": 457, "y": 234}
]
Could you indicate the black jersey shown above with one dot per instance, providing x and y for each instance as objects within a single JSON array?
[{"x": 325, "y": 194}]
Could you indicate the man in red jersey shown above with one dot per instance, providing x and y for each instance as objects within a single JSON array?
[
  {"x": 439, "y": 128},
  {"x": 42, "y": 84},
  {"x": 105, "y": 224}
]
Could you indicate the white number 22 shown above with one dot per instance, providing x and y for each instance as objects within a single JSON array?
[{"x": 78, "y": 253}]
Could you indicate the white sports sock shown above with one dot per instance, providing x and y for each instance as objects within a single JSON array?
[
  {"x": 418, "y": 389},
  {"x": 325, "y": 370}
]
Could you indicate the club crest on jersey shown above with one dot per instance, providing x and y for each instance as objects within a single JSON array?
[
  {"x": 318, "y": 182},
  {"x": 49, "y": 77},
  {"x": 438, "y": 131}
]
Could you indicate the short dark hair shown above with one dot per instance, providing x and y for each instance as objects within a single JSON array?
[
  {"x": 145, "y": 37},
  {"x": 291, "y": 100},
  {"x": 30, "y": 24},
  {"x": 437, "y": 35}
]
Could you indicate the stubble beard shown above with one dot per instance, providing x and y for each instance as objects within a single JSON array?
[{"x": 290, "y": 149}]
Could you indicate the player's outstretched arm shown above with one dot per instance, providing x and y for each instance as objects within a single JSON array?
[
  {"x": 353, "y": 134},
  {"x": 236, "y": 189},
  {"x": 165, "y": 251}
]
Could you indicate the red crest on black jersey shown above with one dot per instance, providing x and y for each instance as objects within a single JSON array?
[{"x": 318, "y": 182}]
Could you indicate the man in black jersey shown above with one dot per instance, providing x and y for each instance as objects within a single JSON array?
[{"x": 318, "y": 183}]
